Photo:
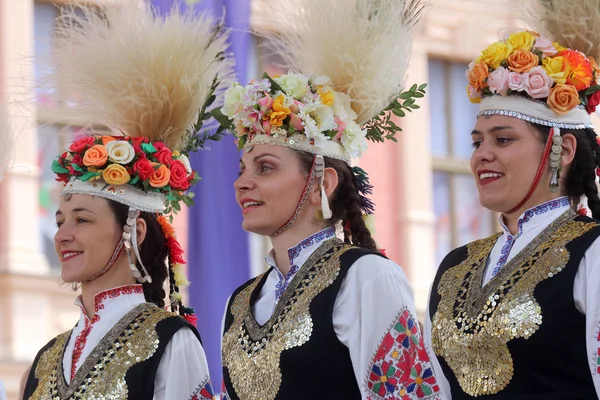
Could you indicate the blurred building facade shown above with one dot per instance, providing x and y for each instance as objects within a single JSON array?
[{"x": 425, "y": 195}]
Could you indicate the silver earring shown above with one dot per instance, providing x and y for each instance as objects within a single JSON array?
[{"x": 555, "y": 164}]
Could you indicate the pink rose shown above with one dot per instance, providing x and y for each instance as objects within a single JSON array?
[
  {"x": 498, "y": 81},
  {"x": 517, "y": 81},
  {"x": 296, "y": 122},
  {"x": 545, "y": 46},
  {"x": 266, "y": 125},
  {"x": 265, "y": 103},
  {"x": 539, "y": 83}
]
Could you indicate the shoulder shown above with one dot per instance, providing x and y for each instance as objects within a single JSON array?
[
  {"x": 373, "y": 269},
  {"x": 249, "y": 283},
  {"x": 169, "y": 325}
]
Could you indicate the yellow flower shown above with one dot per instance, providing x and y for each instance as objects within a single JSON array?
[
  {"x": 115, "y": 174},
  {"x": 327, "y": 96},
  {"x": 554, "y": 68},
  {"x": 558, "y": 47},
  {"x": 521, "y": 41},
  {"x": 280, "y": 111},
  {"x": 495, "y": 54}
]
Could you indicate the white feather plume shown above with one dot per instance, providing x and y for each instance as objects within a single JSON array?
[
  {"x": 364, "y": 46},
  {"x": 572, "y": 23},
  {"x": 138, "y": 73}
]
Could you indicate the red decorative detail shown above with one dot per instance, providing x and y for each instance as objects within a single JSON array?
[
  {"x": 539, "y": 172},
  {"x": 175, "y": 251},
  {"x": 111, "y": 190},
  {"x": 581, "y": 210},
  {"x": 113, "y": 293},
  {"x": 80, "y": 344},
  {"x": 382, "y": 251},
  {"x": 401, "y": 369},
  {"x": 204, "y": 391},
  {"x": 191, "y": 318}
]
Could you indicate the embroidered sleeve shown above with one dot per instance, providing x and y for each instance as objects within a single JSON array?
[
  {"x": 183, "y": 370},
  {"x": 374, "y": 317},
  {"x": 400, "y": 368}
]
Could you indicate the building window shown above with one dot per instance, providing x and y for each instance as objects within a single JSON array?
[{"x": 460, "y": 218}]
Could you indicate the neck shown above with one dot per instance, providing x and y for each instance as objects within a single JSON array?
[
  {"x": 118, "y": 275},
  {"x": 289, "y": 239},
  {"x": 512, "y": 220}
]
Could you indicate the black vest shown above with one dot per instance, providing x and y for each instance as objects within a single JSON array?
[
  {"x": 296, "y": 354},
  {"x": 520, "y": 337},
  {"x": 123, "y": 365}
]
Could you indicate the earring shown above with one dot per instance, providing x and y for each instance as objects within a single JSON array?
[
  {"x": 555, "y": 164},
  {"x": 74, "y": 286},
  {"x": 319, "y": 215}
]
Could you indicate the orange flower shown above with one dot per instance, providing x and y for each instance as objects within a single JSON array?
[
  {"x": 280, "y": 111},
  {"x": 477, "y": 76},
  {"x": 115, "y": 174},
  {"x": 277, "y": 118},
  {"x": 563, "y": 98},
  {"x": 594, "y": 65},
  {"x": 581, "y": 70},
  {"x": 522, "y": 61},
  {"x": 106, "y": 139},
  {"x": 160, "y": 177},
  {"x": 95, "y": 156}
]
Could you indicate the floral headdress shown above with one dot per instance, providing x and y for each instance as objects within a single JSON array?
[
  {"x": 549, "y": 79},
  {"x": 152, "y": 80},
  {"x": 344, "y": 85},
  {"x": 559, "y": 83}
]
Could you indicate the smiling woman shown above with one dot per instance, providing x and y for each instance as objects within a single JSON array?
[
  {"x": 497, "y": 303},
  {"x": 133, "y": 340},
  {"x": 332, "y": 318}
]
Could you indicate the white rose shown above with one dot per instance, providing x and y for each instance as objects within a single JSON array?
[
  {"x": 342, "y": 107},
  {"x": 234, "y": 100},
  {"x": 186, "y": 163},
  {"x": 354, "y": 139},
  {"x": 294, "y": 85},
  {"x": 316, "y": 119},
  {"x": 120, "y": 151}
]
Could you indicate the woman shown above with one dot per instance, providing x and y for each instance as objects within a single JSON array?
[
  {"x": 113, "y": 235},
  {"x": 331, "y": 318},
  {"x": 517, "y": 315}
]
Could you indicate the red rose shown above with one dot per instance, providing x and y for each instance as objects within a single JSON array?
[
  {"x": 593, "y": 102},
  {"x": 179, "y": 178},
  {"x": 77, "y": 160},
  {"x": 158, "y": 145},
  {"x": 143, "y": 167},
  {"x": 164, "y": 156},
  {"x": 82, "y": 144},
  {"x": 136, "y": 142}
]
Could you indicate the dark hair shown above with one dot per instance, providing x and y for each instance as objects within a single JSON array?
[
  {"x": 345, "y": 202},
  {"x": 153, "y": 251},
  {"x": 581, "y": 176}
]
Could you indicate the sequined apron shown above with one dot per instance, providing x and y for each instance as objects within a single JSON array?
[
  {"x": 102, "y": 376},
  {"x": 473, "y": 324}
]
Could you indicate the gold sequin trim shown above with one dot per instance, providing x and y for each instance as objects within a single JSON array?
[
  {"x": 473, "y": 324},
  {"x": 102, "y": 375},
  {"x": 251, "y": 352}
]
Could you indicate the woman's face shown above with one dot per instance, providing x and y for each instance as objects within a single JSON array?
[
  {"x": 505, "y": 160},
  {"x": 269, "y": 187},
  {"x": 87, "y": 235}
]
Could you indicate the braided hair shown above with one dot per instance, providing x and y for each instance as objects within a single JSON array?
[
  {"x": 581, "y": 176},
  {"x": 345, "y": 204},
  {"x": 153, "y": 251}
]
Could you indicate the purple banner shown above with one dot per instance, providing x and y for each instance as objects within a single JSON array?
[{"x": 218, "y": 254}]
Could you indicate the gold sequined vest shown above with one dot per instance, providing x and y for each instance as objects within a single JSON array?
[
  {"x": 519, "y": 337},
  {"x": 296, "y": 355},
  {"x": 122, "y": 366}
]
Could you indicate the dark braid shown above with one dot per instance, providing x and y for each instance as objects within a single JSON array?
[
  {"x": 173, "y": 289},
  {"x": 345, "y": 203},
  {"x": 153, "y": 252},
  {"x": 581, "y": 176}
]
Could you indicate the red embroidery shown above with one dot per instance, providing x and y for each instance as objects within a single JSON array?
[
  {"x": 401, "y": 369},
  {"x": 99, "y": 299},
  {"x": 598, "y": 354},
  {"x": 115, "y": 292},
  {"x": 203, "y": 392}
]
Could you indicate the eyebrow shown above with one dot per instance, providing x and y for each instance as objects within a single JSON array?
[
  {"x": 259, "y": 157},
  {"x": 494, "y": 129},
  {"x": 78, "y": 209}
]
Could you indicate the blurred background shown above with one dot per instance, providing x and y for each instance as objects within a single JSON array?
[{"x": 425, "y": 195}]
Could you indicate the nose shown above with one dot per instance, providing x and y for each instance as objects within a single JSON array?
[
  {"x": 484, "y": 153},
  {"x": 243, "y": 184},
  {"x": 63, "y": 235}
]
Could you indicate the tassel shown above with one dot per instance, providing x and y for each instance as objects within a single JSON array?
[{"x": 320, "y": 170}]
